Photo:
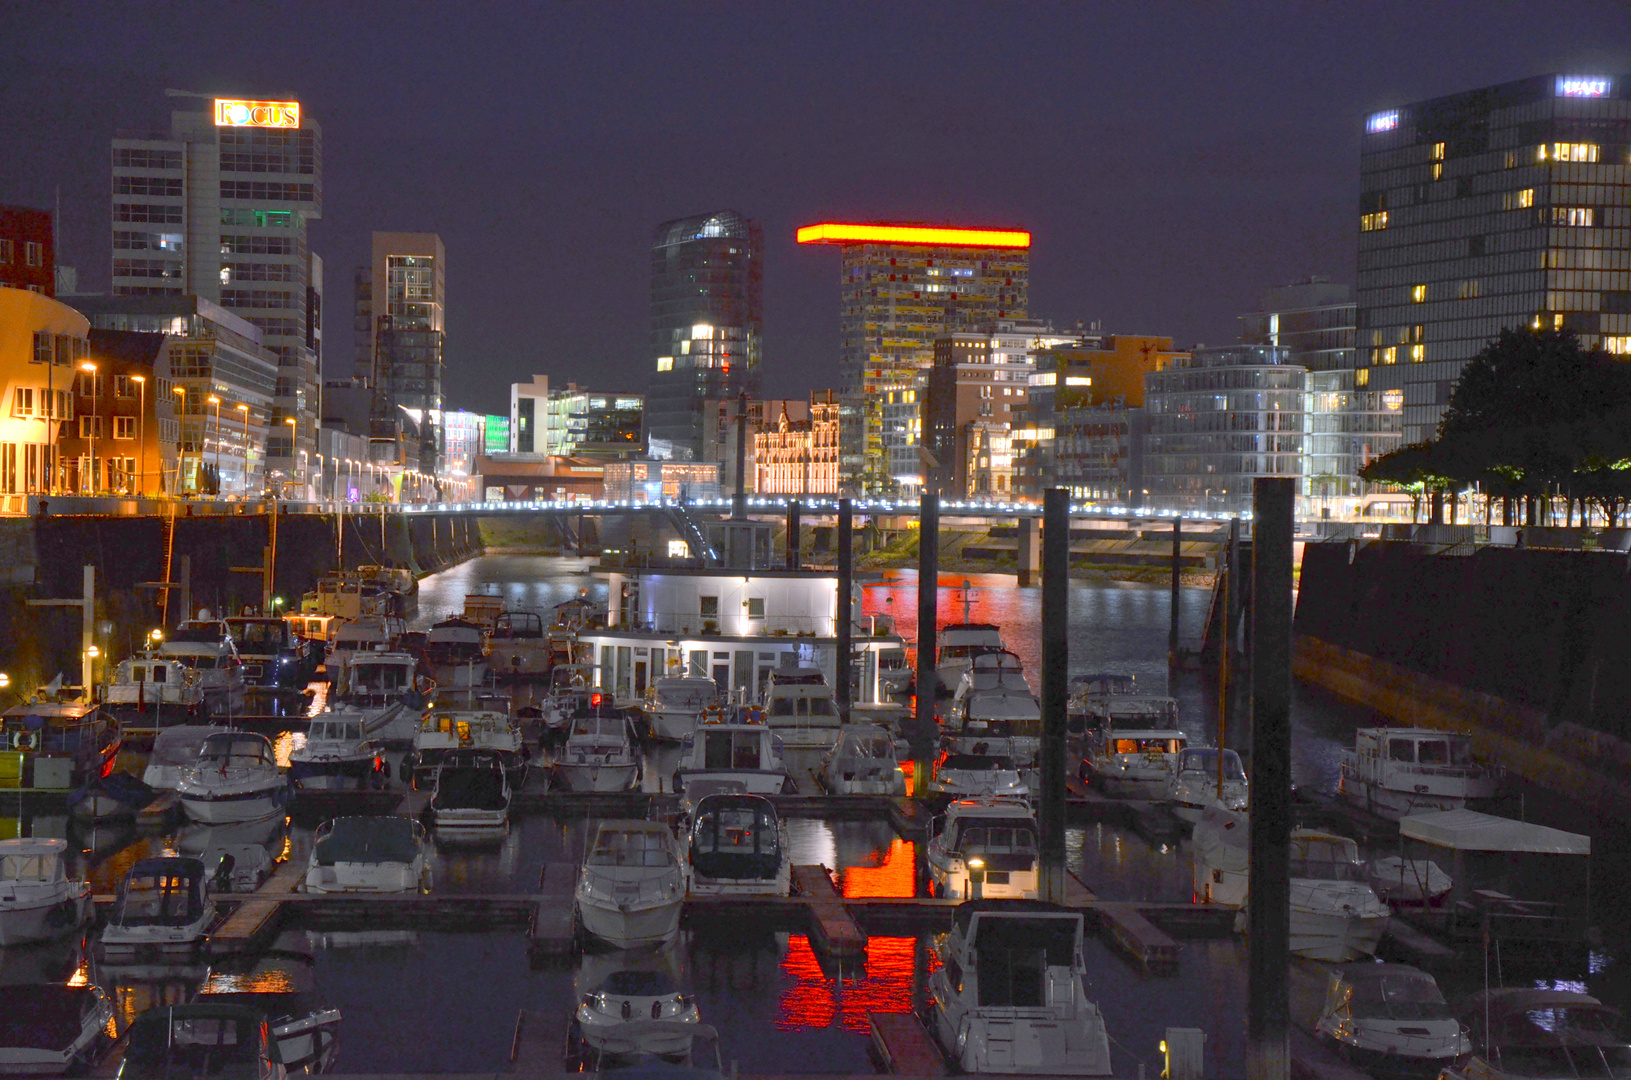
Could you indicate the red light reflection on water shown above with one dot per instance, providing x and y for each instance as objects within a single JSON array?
[
  {"x": 893, "y": 875},
  {"x": 992, "y": 598},
  {"x": 814, "y": 1000}
]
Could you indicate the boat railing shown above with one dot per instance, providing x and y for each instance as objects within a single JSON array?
[
  {"x": 733, "y": 623},
  {"x": 1473, "y": 771}
]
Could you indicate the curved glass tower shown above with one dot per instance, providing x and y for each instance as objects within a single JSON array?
[{"x": 707, "y": 310}]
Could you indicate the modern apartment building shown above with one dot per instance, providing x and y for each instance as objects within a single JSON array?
[
  {"x": 218, "y": 209},
  {"x": 28, "y": 257},
  {"x": 901, "y": 286},
  {"x": 1503, "y": 207},
  {"x": 707, "y": 317},
  {"x": 971, "y": 398},
  {"x": 399, "y": 328}
]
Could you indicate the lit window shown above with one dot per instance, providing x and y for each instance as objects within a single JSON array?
[
  {"x": 1469, "y": 290},
  {"x": 1362, "y": 376},
  {"x": 1418, "y": 353},
  {"x": 1382, "y": 121},
  {"x": 1580, "y": 216},
  {"x": 1078, "y": 380},
  {"x": 1389, "y": 355},
  {"x": 1579, "y": 151},
  {"x": 1418, "y": 294},
  {"x": 1417, "y": 331},
  {"x": 1373, "y": 222},
  {"x": 1619, "y": 346},
  {"x": 1438, "y": 151},
  {"x": 1392, "y": 399},
  {"x": 1512, "y": 159},
  {"x": 1438, "y": 170},
  {"x": 124, "y": 427},
  {"x": 1045, "y": 378},
  {"x": 1517, "y": 200},
  {"x": 702, "y": 332},
  {"x": 665, "y": 363}
]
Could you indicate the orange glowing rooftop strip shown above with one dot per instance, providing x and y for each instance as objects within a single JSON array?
[{"x": 835, "y": 233}]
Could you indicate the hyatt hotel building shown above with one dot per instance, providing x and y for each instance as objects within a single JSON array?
[{"x": 1504, "y": 207}]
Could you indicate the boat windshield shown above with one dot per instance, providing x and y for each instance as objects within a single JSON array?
[
  {"x": 336, "y": 730},
  {"x": 380, "y": 678},
  {"x": 194, "y": 1047},
  {"x": 1326, "y": 870},
  {"x": 731, "y": 749},
  {"x": 638, "y": 984},
  {"x": 1402, "y": 995},
  {"x": 259, "y": 636},
  {"x": 735, "y": 830},
  {"x": 1145, "y": 746},
  {"x": 1205, "y": 760},
  {"x": 686, "y": 696},
  {"x": 802, "y": 706},
  {"x": 33, "y": 866},
  {"x": 869, "y": 746},
  {"x": 586, "y": 727},
  {"x": 158, "y": 900},
  {"x": 978, "y": 763},
  {"x": 639, "y": 848},
  {"x": 999, "y": 839},
  {"x": 224, "y": 750},
  {"x": 198, "y": 633}
]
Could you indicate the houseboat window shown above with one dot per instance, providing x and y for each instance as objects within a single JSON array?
[
  {"x": 1401, "y": 750},
  {"x": 781, "y": 706},
  {"x": 820, "y": 706},
  {"x": 995, "y": 840},
  {"x": 709, "y": 606},
  {"x": 40, "y": 867},
  {"x": 160, "y": 673},
  {"x": 1433, "y": 752}
]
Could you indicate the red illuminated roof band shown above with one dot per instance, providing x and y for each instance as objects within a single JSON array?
[{"x": 837, "y": 233}]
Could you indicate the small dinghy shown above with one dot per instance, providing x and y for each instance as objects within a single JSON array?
[
  {"x": 50, "y": 1029},
  {"x": 109, "y": 798}
]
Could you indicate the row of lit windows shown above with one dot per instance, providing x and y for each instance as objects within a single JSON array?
[
  {"x": 33, "y": 253},
  {"x": 165, "y": 186},
  {"x": 257, "y": 272},
  {"x": 257, "y": 298},
  {"x": 141, "y": 158}
]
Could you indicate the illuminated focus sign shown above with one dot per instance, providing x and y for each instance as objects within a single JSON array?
[
  {"x": 1582, "y": 86},
  {"x": 1382, "y": 121},
  {"x": 261, "y": 114},
  {"x": 835, "y": 233},
  {"x": 1393, "y": 399}
]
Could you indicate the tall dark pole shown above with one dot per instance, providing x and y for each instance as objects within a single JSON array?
[
  {"x": 793, "y": 540},
  {"x": 1172, "y": 629},
  {"x": 1055, "y": 680},
  {"x": 846, "y": 579},
  {"x": 1269, "y": 911},
  {"x": 928, "y": 615},
  {"x": 740, "y": 508}
]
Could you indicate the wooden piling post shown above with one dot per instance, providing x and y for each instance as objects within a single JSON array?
[
  {"x": 846, "y": 583},
  {"x": 1055, "y": 681}
]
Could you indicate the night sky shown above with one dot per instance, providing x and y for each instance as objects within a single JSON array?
[{"x": 1171, "y": 160}]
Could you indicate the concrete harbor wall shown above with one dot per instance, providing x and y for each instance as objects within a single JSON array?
[{"x": 1524, "y": 650}]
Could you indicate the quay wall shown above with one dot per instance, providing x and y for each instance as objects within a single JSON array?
[
  {"x": 1524, "y": 650},
  {"x": 42, "y": 558}
]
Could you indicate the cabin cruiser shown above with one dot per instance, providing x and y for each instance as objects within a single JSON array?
[
  {"x": 471, "y": 796},
  {"x": 384, "y": 691},
  {"x": 236, "y": 778},
  {"x": 345, "y": 595},
  {"x": 380, "y": 854},
  {"x": 571, "y": 690},
  {"x": 1395, "y": 772},
  {"x": 631, "y": 887},
  {"x": 48, "y": 1029},
  {"x": 399, "y": 586},
  {"x": 1335, "y": 915},
  {"x": 1537, "y": 1034},
  {"x": 977, "y": 773},
  {"x": 738, "y": 845},
  {"x": 38, "y": 901},
  {"x": 985, "y": 847},
  {"x": 205, "y": 646},
  {"x": 740, "y": 755},
  {"x": 337, "y": 755},
  {"x": 175, "y": 752},
  {"x": 959, "y": 644},
  {"x": 455, "y": 642},
  {"x": 1008, "y": 995},
  {"x": 219, "y": 1036},
  {"x": 864, "y": 761},
  {"x": 600, "y": 753},
  {"x": 518, "y": 648},
  {"x": 162, "y": 906},
  {"x": 1200, "y": 779},
  {"x": 444, "y": 730},
  {"x": 63, "y": 744},
  {"x": 894, "y": 674},
  {"x": 1133, "y": 762},
  {"x": 237, "y": 856},
  {"x": 993, "y": 701},
  {"x": 799, "y": 707},
  {"x": 677, "y": 705},
  {"x": 369, "y": 635},
  {"x": 1391, "y": 1019},
  {"x": 271, "y": 653},
  {"x": 616, "y": 1015},
  {"x": 151, "y": 691},
  {"x": 106, "y": 798},
  {"x": 1103, "y": 714},
  {"x": 1087, "y": 696}
]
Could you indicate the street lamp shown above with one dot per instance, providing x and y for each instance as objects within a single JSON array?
[
  {"x": 141, "y": 428},
  {"x": 181, "y": 410},
  {"x": 96, "y": 418},
  {"x": 213, "y": 400},
  {"x": 243, "y": 407},
  {"x": 294, "y": 427}
]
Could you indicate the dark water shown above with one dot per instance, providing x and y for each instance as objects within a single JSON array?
[{"x": 418, "y": 1001}]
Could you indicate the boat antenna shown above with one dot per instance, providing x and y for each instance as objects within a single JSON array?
[{"x": 966, "y": 586}]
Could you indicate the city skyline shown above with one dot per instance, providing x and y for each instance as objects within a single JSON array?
[{"x": 1260, "y": 143}]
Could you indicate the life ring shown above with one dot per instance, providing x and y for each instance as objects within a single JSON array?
[{"x": 25, "y": 740}]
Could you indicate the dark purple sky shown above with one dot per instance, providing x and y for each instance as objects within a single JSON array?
[{"x": 1172, "y": 160}]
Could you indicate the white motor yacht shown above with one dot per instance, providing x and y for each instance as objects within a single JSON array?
[
  {"x": 48, "y": 1029},
  {"x": 1396, "y": 772},
  {"x": 370, "y": 633},
  {"x": 1089, "y": 694},
  {"x": 738, "y": 845},
  {"x": 472, "y": 795},
  {"x": 993, "y": 701},
  {"x": 984, "y": 847},
  {"x": 1133, "y": 762},
  {"x": 175, "y": 752},
  {"x": 1519, "y": 1033},
  {"x": 162, "y": 907},
  {"x": 205, "y": 646},
  {"x": 236, "y": 778},
  {"x": 742, "y": 756},
  {"x": 983, "y": 771},
  {"x": 571, "y": 690},
  {"x": 1200, "y": 779},
  {"x": 631, "y": 887},
  {"x": 337, "y": 755},
  {"x": 864, "y": 761},
  {"x": 1390, "y": 1019},
  {"x": 1008, "y": 996},
  {"x": 151, "y": 692},
  {"x": 607, "y": 1015},
  {"x": 799, "y": 706},
  {"x": 959, "y": 644},
  {"x": 600, "y": 753},
  {"x": 385, "y": 690},
  {"x": 382, "y": 854},
  {"x": 445, "y": 729},
  {"x": 676, "y": 705},
  {"x": 272, "y": 654},
  {"x": 38, "y": 901}
]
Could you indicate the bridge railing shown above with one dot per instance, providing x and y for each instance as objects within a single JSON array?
[{"x": 682, "y": 623}]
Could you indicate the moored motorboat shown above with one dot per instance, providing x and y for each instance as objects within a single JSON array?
[
  {"x": 236, "y": 778},
  {"x": 175, "y": 752},
  {"x": 607, "y": 1013},
  {"x": 471, "y": 796},
  {"x": 162, "y": 908},
  {"x": 800, "y": 708},
  {"x": 1396, "y": 772},
  {"x": 384, "y": 689},
  {"x": 742, "y": 754},
  {"x": 677, "y": 704},
  {"x": 205, "y": 646},
  {"x": 993, "y": 700},
  {"x": 571, "y": 690},
  {"x": 1405, "y": 882},
  {"x": 214, "y": 1037},
  {"x": 959, "y": 644},
  {"x": 518, "y": 648},
  {"x": 864, "y": 761},
  {"x": 737, "y": 845},
  {"x": 982, "y": 771},
  {"x": 1008, "y": 996},
  {"x": 150, "y": 692},
  {"x": 631, "y": 888},
  {"x": 272, "y": 654},
  {"x": 50, "y": 1029},
  {"x": 1200, "y": 779},
  {"x": 38, "y": 901},
  {"x": 1391, "y": 1019},
  {"x": 381, "y": 854},
  {"x": 337, "y": 755},
  {"x": 1131, "y": 761},
  {"x": 455, "y": 642},
  {"x": 600, "y": 753},
  {"x": 1523, "y": 1033},
  {"x": 445, "y": 729},
  {"x": 984, "y": 847},
  {"x": 62, "y": 745}
]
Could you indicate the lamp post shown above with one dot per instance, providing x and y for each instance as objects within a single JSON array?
[
  {"x": 141, "y": 429},
  {"x": 243, "y": 407},
  {"x": 96, "y": 418},
  {"x": 213, "y": 400},
  {"x": 294, "y": 428}
]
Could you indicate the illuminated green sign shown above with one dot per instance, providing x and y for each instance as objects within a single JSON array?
[{"x": 498, "y": 435}]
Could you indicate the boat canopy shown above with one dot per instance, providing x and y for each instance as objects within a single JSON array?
[
  {"x": 32, "y": 859},
  {"x": 180, "y": 745},
  {"x": 1394, "y": 992},
  {"x": 199, "y": 1040},
  {"x": 383, "y": 839},
  {"x": 1469, "y": 830},
  {"x": 161, "y": 892},
  {"x": 632, "y": 843}
]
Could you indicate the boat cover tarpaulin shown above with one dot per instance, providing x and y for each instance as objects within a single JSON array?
[
  {"x": 42, "y": 1017},
  {"x": 1468, "y": 830}
]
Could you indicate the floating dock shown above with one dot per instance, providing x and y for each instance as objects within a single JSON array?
[{"x": 904, "y": 1046}]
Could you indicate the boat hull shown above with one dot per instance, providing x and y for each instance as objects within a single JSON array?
[
  {"x": 43, "y": 920},
  {"x": 578, "y": 777},
  {"x": 626, "y": 928},
  {"x": 750, "y": 781},
  {"x": 332, "y": 774},
  {"x": 256, "y": 805},
  {"x": 672, "y": 726},
  {"x": 1393, "y": 804},
  {"x": 1334, "y": 937}
]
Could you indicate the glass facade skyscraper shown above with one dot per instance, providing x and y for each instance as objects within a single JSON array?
[
  {"x": 707, "y": 316},
  {"x": 1504, "y": 207}
]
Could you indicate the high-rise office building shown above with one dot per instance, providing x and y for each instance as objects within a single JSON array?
[
  {"x": 901, "y": 287},
  {"x": 398, "y": 332},
  {"x": 218, "y": 208},
  {"x": 707, "y": 315},
  {"x": 1504, "y": 207}
]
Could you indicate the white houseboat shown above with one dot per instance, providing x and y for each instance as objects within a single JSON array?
[
  {"x": 1396, "y": 772},
  {"x": 799, "y": 707},
  {"x": 38, "y": 901}
]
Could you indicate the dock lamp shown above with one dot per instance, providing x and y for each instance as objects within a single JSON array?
[{"x": 976, "y": 877}]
